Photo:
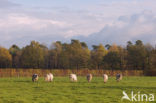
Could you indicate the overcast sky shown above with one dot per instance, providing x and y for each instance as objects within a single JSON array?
[{"x": 93, "y": 21}]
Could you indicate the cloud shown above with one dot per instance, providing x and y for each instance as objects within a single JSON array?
[
  {"x": 137, "y": 26},
  {"x": 7, "y": 4},
  {"x": 18, "y": 20},
  {"x": 17, "y": 28},
  {"x": 95, "y": 22}
]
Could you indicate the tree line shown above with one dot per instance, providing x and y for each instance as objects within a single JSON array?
[{"x": 77, "y": 55}]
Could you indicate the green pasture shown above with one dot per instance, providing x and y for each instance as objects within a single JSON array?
[{"x": 61, "y": 90}]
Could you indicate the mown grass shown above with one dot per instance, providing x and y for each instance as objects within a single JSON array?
[{"x": 61, "y": 90}]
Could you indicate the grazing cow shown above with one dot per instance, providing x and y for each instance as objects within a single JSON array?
[
  {"x": 105, "y": 78},
  {"x": 34, "y": 77},
  {"x": 89, "y": 77},
  {"x": 119, "y": 77},
  {"x": 49, "y": 77},
  {"x": 73, "y": 77}
]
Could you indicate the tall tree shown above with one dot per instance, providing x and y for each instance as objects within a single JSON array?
[
  {"x": 97, "y": 55},
  {"x": 65, "y": 56},
  {"x": 54, "y": 55},
  {"x": 150, "y": 55},
  {"x": 5, "y": 58},
  {"x": 114, "y": 48},
  {"x": 112, "y": 59},
  {"x": 153, "y": 59},
  {"x": 136, "y": 55},
  {"x": 32, "y": 56},
  {"x": 121, "y": 53},
  {"x": 16, "y": 53},
  {"x": 80, "y": 54}
]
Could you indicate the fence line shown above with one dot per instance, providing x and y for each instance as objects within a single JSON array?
[{"x": 65, "y": 72}]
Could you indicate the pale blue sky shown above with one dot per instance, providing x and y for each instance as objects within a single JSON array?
[{"x": 93, "y": 21}]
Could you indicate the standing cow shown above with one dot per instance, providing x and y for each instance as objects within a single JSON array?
[
  {"x": 34, "y": 77},
  {"x": 49, "y": 77},
  {"x": 105, "y": 78},
  {"x": 89, "y": 77},
  {"x": 119, "y": 77},
  {"x": 73, "y": 77}
]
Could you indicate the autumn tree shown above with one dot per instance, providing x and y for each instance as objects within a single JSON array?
[
  {"x": 153, "y": 59},
  {"x": 136, "y": 55},
  {"x": 65, "y": 56},
  {"x": 97, "y": 55},
  {"x": 16, "y": 53},
  {"x": 54, "y": 55},
  {"x": 45, "y": 51},
  {"x": 121, "y": 52},
  {"x": 73, "y": 55},
  {"x": 112, "y": 59},
  {"x": 5, "y": 58},
  {"x": 115, "y": 59},
  {"x": 32, "y": 56},
  {"x": 79, "y": 54}
]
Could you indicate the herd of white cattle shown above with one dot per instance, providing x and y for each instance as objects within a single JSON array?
[{"x": 73, "y": 78}]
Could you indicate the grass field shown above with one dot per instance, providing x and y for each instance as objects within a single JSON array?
[{"x": 61, "y": 90}]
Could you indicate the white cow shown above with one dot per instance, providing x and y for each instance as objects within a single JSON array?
[
  {"x": 73, "y": 77},
  {"x": 49, "y": 77},
  {"x": 105, "y": 78}
]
